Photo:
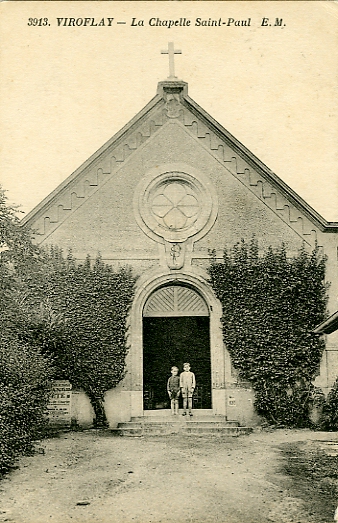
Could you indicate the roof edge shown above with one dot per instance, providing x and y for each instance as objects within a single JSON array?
[
  {"x": 150, "y": 105},
  {"x": 328, "y": 326},
  {"x": 302, "y": 205},
  {"x": 241, "y": 149}
]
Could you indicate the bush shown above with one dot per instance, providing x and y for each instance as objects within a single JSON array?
[
  {"x": 271, "y": 304},
  {"x": 330, "y": 410},
  {"x": 24, "y": 374}
]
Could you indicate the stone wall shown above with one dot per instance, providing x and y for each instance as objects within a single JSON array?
[{"x": 96, "y": 212}]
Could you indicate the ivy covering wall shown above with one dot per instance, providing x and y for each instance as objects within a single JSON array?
[
  {"x": 271, "y": 304},
  {"x": 77, "y": 313}
]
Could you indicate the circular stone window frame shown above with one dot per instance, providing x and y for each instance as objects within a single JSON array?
[{"x": 160, "y": 175}]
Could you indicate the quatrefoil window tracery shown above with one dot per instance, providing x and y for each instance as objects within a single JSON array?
[
  {"x": 175, "y": 206},
  {"x": 174, "y": 203}
]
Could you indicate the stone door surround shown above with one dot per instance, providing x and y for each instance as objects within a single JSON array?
[{"x": 148, "y": 286}]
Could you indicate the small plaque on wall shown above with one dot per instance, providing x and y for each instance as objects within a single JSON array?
[
  {"x": 231, "y": 401},
  {"x": 59, "y": 406}
]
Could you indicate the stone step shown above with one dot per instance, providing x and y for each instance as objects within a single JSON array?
[
  {"x": 205, "y": 424},
  {"x": 141, "y": 431},
  {"x": 197, "y": 415},
  {"x": 143, "y": 425},
  {"x": 230, "y": 431},
  {"x": 177, "y": 424}
]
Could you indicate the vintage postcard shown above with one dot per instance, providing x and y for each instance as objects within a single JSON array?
[{"x": 158, "y": 136}]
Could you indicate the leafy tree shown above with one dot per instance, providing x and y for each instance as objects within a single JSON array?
[
  {"x": 20, "y": 262},
  {"x": 13, "y": 237},
  {"x": 24, "y": 372},
  {"x": 271, "y": 304},
  {"x": 24, "y": 393},
  {"x": 75, "y": 313}
]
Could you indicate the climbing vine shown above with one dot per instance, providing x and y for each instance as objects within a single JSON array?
[
  {"x": 85, "y": 310},
  {"x": 271, "y": 304},
  {"x": 77, "y": 314},
  {"x": 329, "y": 419}
]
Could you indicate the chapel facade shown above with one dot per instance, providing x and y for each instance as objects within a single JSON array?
[{"x": 167, "y": 188}]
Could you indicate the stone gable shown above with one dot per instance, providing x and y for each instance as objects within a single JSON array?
[{"x": 168, "y": 187}]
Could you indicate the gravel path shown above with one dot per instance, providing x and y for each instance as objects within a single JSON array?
[{"x": 92, "y": 477}]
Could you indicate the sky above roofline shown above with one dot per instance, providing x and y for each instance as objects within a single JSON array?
[{"x": 67, "y": 89}]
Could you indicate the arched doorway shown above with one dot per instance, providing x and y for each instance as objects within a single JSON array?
[{"x": 176, "y": 329}]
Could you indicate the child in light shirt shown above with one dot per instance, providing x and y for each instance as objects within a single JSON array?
[{"x": 187, "y": 384}]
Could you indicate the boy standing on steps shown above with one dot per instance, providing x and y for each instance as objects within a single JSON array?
[
  {"x": 173, "y": 388},
  {"x": 187, "y": 384}
]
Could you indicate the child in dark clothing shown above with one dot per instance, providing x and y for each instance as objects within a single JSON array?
[{"x": 173, "y": 388}]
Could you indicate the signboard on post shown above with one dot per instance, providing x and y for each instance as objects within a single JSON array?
[{"x": 59, "y": 406}]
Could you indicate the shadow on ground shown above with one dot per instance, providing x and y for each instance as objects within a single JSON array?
[{"x": 311, "y": 474}]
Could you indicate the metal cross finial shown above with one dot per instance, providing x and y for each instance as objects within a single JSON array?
[{"x": 171, "y": 52}]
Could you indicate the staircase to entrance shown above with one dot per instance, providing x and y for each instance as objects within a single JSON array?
[{"x": 163, "y": 423}]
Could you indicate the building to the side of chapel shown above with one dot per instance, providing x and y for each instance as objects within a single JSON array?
[{"x": 170, "y": 186}]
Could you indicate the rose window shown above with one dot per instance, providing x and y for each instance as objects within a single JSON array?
[{"x": 175, "y": 206}]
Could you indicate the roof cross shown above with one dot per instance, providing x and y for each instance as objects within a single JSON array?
[{"x": 171, "y": 52}]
